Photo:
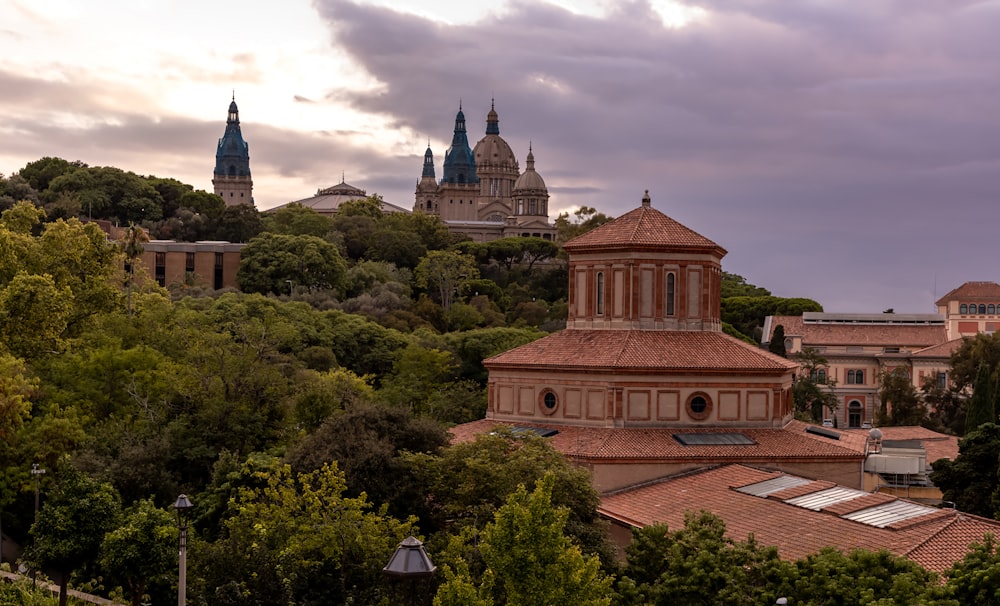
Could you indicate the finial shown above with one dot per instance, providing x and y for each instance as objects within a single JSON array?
[
  {"x": 529, "y": 146},
  {"x": 492, "y": 99},
  {"x": 459, "y": 104},
  {"x": 342, "y": 180},
  {"x": 646, "y": 201},
  {"x": 234, "y": 94}
]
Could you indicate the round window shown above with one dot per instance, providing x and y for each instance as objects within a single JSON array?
[
  {"x": 549, "y": 401},
  {"x": 699, "y": 406}
]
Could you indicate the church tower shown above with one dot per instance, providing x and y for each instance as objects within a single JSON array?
[
  {"x": 232, "y": 163},
  {"x": 531, "y": 197},
  {"x": 427, "y": 198},
  {"x": 497, "y": 170},
  {"x": 459, "y": 183}
]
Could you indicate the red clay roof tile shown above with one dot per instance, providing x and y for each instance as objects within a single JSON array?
[
  {"x": 972, "y": 291},
  {"x": 645, "y": 228},
  {"x": 642, "y": 350}
]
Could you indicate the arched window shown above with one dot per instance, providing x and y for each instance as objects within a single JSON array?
[
  {"x": 982, "y": 308},
  {"x": 850, "y": 377},
  {"x": 991, "y": 309},
  {"x": 821, "y": 375},
  {"x": 600, "y": 293},
  {"x": 855, "y": 377},
  {"x": 854, "y": 413},
  {"x": 963, "y": 308}
]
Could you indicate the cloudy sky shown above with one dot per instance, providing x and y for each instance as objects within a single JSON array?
[{"x": 846, "y": 151}]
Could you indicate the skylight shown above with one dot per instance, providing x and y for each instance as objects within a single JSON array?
[{"x": 713, "y": 439}]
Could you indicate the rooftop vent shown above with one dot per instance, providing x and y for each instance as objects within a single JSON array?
[
  {"x": 713, "y": 439},
  {"x": 822, "y": 431}
]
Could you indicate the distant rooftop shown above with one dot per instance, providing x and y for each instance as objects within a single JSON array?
[{"x": 814, "y": 317}]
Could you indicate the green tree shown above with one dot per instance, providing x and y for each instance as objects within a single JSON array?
[
  {"x": 34, "y": 315},
  {"x": 297, "y": 220},
  {"x": 368, "y": 443},
  {"x": 416, "y": 375},
  {"x": 583, "y": 220},
  {"x": 971, "y": 481},
  {"x": 981, "y": 408},
  {"x": 40, "y": 173},
  {"x": 16, "y": 391},
  {"x": 299, "y": 540},
  {"x": 239, "y": 223},
  {"x": 864, "y": 578},
  {"x": 110, "y": 193},
  {"x": 976, "y": 578},
  {"x": 141, "y": 549},
  {"x": 71, "y": 525},
  {"x": 467, "y": 483},
  {"x": 900, "y": 404},
  {"x": 947, "y": 405},
  {"x": 270, "y": 261},
  {"x": 699, "y": 564},
  {"x": 529, "y": 559},
  {"x": 135, "y": 237},
  {"x": 747, "y": 314},
  {"x": 813, "y": 389},
  {"x": 980, "y": 350},
  {"x": 446, "y": 272},
  {"x": 735, "y": 285},
  {"x": 777, "y": 343}
]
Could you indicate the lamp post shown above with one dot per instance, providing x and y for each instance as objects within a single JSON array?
[
  {"x": 410, "y": 562},
  {"x": 183, "y": 506},
  {"x": 36, "y": 472}
]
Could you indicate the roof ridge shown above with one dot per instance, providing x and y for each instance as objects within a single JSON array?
[{"x": 934, "y": 535}]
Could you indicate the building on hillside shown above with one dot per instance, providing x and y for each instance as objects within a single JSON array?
[
  {"x": 643, "y": 383},
  {"x": 799, "y": 516},
  {"x": 973, "y": 307},
  {"x": 858, "y": 348},
  {"x": 327, "y": 201},
  {"x": 232, "y": 178},
  {"x": 482, "y": 193},
  {"x": 206, "y": 264}
]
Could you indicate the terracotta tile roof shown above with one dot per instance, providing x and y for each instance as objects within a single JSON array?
[
  {"x": 934, "y": 540},
  {"x": 642, "y": 350},
  {"x": 972, "y": 291},
  {"x": 949, "y": 543},
  {"x": 632, "y": 445},
  {"x": 944, "y": 350},
  {"x": 861, "y": 334},
  {"x": 645, "y": 228}
]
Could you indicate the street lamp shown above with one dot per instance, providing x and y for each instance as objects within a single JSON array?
[
  {"x": 37, "y": 472},
  {"x": 410, "y": 563},
  {"x": 183, "y": 506}
]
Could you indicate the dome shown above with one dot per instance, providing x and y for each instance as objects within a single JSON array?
[
  {"x": 492, "y": 152},
  {"x": 530, "y": 180}
]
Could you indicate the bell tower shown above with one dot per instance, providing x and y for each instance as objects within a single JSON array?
[{"x": 231, "y": 179}]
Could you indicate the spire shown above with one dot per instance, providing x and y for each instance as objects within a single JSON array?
[
  {"x": 232, "y": 156},
  {"x": 492, "y": 121},
  {"x": 646, "y": 200},
  {"x": 459, "y": 163},
  {"x": 531, "y": 158},
  {"x": 428, "y": 162}
]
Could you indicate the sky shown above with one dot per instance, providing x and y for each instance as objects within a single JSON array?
[{"x": 844, "y": 151}]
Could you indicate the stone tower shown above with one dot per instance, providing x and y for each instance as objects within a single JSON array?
[{"x": 232, "y": 163}]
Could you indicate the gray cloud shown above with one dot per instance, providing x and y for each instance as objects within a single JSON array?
[{"x": 844, "y": 151}]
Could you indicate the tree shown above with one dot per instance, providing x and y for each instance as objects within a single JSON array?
[
  {"x": 813, "y": 390},
  {"x": 863, "y": 578},
  {"x": 980, "y": 350},
  {"x": 71, "y": 525},
  {"x": 976, "y": 578},
  {"x": 529, "y": 560},
  {"x": 141, "y": 549},
  {"x": 445, "y": 271},
  {"x": 110, "y": 193},
  {"x": 296, "y": 539},
  {"x": 981, "y": 408},
  {"x": 40, "y": 173},
  {"x": 777, "y": 343},
  {"x": 947, "y": 405},
  {"x": 368, "y": 442},
  {"x": 699, "y": 564},
  {"x": 900, "y": 404},
  {"x": 239, "y": 223},
  {"x": 297, "y": 220},
  {"x": 270, "y": 261},
  {"x": 467, "y": 483},
  {"x": 747, "y": 314},
  {"x": 971, "y": 481},
  {"x": 16, "y": 391},
  {"x": 135, "y": 237},
  {"x": 34, "y": 315},
  {"x": 735, "y": 285},
  {"x": 584, "y": 219}
]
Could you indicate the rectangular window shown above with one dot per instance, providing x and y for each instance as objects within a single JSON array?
[
  {"x": 942, "y": 380},
  {"x": 670, "y": 294},
  {"x": 217, "y": 282},
  {"x": 160, "y": 268},
  {"x": 600, "y": 293},
  {"x": 189, "y": 262}
]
